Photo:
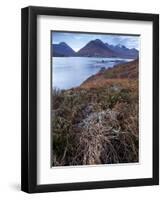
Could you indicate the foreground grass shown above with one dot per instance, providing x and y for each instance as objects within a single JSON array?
[{"x": 96, "y": 123}]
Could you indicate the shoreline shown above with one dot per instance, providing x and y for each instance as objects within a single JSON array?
[{"x": 99, "y": 73}]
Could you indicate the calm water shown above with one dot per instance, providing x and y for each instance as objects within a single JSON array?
[{"x": 70, "y": 72}]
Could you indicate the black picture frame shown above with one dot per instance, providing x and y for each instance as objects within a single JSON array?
[{"x": 29, "y": 99}]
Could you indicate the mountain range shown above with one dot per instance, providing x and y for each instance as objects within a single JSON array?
[{"x": 94, "y": 48}]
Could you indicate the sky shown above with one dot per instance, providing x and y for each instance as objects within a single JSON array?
[{"x": 78, "y": 40}]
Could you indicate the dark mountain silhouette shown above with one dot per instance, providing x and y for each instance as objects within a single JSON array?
[
  {"x": 95, "y": 48},
  {"x": 62, "y": 50},
  {"x": 123, "y": 51}
]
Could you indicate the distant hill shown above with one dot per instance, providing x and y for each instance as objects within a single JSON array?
[
  {"x": 95, "y": 48},
  {"x": 62, "y": 50},
  {"x": 123, "y": 51}
]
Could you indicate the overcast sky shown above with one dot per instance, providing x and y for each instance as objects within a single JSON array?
[{"x": 78, "y": 40}]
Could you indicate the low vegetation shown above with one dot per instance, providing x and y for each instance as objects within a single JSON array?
[{"x": 97, "y": 123}]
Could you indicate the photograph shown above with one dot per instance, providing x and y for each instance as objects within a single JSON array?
[{"x": 94, "y": 98}]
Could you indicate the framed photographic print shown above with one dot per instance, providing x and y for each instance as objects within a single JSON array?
[{"x": 90, "y": 99}]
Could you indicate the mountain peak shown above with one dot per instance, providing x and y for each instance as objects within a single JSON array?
[
  {"x": 134, "y": 49},
  {"x": 120, "y": 46},
  {"x": 62, "y": 49},
  {"x": 108, "y": 45},
  {"x": 63, "y": 44},
  {"x": 96, "y": 48},
  {"x": 97, "y": 41}
]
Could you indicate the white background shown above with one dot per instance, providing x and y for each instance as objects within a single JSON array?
[{"x": 10, "y": 78}]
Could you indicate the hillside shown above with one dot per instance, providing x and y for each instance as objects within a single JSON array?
[
  {"x": 123, "y": 51},
  {"x": 97, "y": 122},
  {"x": 62, "y": 50},
  {"x": 96, "y": 48},
  {"x": 120, "y": 72}
]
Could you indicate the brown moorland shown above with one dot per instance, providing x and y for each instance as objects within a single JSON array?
[{"x": 97, "y": 123}]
